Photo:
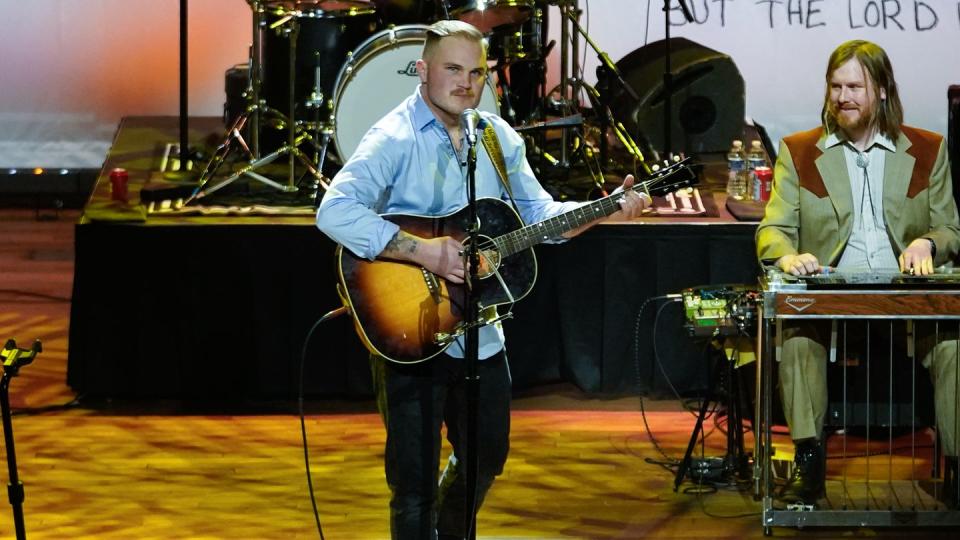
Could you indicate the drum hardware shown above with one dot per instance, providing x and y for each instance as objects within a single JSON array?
[
  {"x": 573, "y": 120},
  {"x": 607, "y": 73},
  {"x": 519, "y": 52},
  {"x": 263, "y": 115},
  {"x": 587, "y": 132},
  {"x": 569, "y": 10},
  {"x": 327, "y": 32},
  {"x": 250, "y": 169},
  {"x": 316, "y": 98},
  {"x": 520, "y": 42},
  {"x": 255, "y": 77}
]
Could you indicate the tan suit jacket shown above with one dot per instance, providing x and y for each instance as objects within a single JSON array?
[{"x": 811, "y": 206}]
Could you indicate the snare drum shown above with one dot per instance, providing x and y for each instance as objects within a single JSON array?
[
  {"x": 379, "y": 75},
  {"x": 488, "y": 14}
]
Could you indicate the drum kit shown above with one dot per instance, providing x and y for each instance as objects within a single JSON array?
[{"x": 321, "y": 72}]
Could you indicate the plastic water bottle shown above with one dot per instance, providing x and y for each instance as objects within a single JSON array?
[
  {"x": 756, "y": 157},
  {"x": 736, "y": 172}
]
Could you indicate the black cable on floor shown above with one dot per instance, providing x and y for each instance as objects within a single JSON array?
[{"x": 303, "y": 423}]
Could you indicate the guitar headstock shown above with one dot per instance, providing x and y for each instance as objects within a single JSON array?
[{"x": 669, "y": 178}]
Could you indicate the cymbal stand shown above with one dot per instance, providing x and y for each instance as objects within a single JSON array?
[
  {"x": 256, "y": 76},
  {"x": 607, "y": 71},
  {"x": 295, "y": 135},
  {"x": 569, "y": 10}
]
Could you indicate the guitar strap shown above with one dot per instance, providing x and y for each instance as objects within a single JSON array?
[{"x": 492, "y": 144}]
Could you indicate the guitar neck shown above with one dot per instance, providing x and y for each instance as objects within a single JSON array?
[{"x": 531, "y": 235}]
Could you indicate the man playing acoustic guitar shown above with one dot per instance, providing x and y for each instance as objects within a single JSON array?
[{"x": 412, "y": 162}]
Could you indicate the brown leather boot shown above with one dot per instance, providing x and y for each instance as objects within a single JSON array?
[{"x": 809, "y": 473}]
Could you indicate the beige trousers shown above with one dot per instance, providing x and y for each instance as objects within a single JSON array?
[{"x": 803, "y": 376}]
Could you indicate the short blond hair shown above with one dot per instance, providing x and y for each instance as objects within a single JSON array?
[{"x": 452, "y": 28}]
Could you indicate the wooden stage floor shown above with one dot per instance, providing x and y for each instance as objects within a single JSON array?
[{"x": 577, "y": 467}]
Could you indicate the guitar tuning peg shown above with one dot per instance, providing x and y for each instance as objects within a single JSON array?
[
  {"x": 655, "y": 167},
  {"x": 676, "y": 158}
]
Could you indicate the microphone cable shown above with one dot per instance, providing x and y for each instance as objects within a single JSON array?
[{"x": 303, "y": 425}]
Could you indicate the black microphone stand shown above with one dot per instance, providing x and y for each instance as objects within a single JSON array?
[
  {"x": 471, "y": 314},
  {"x": 13, "y": 359},
  {"x": 668, "y": 73}
]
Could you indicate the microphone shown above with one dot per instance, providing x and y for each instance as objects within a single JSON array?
[{"x": 469, "y": 120}]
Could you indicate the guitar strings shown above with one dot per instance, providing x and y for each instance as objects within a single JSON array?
[{"x": 511, "y": 237}]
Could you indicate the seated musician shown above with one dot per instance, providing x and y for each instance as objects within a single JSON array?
[
  {"x": 863, "y": 192},
  {"x": 412, "y": 162}
]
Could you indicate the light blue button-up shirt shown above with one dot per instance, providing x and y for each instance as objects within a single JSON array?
[{"x": 406, "y": 164}]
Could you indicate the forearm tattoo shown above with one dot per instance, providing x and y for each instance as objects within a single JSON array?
[{"x": 401, "y": 244}]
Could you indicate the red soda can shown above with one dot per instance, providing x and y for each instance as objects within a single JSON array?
[
  {"x": 118, "y": 184},
  {"x": 765, "y": 182}
]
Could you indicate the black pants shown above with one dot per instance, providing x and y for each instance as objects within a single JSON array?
[{"x": 414, "y": 401}]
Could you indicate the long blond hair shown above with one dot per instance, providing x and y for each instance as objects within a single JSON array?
[{"x": 888, "y": 116}]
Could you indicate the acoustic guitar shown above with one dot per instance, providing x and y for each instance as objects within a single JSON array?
[{"x": 407, "y": 314}]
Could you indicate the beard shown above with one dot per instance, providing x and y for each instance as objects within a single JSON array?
[{"x": 863, "y": 120}]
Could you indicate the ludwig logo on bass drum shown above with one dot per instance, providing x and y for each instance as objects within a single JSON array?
[
  {"x": 410, "y": 70},
  {"x": 800, "y": 303}
]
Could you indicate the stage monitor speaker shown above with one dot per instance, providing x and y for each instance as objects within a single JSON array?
[
  {"x": 953, "y": 137},
  {"x": 707, "y": 98}
]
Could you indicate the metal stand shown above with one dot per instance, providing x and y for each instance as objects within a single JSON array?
[
  {"x": 471, "y": 315},
  {"x": 183, "y": 172},
  {"x": 569, "y": 10},
  {"x": 257, "y": 112},
  {"x": 668, "y": 73},
  {"x": 234, "y": 135},
  {"x": 606, "y": 72},
  {"x": 735, "y": 464},
  {"x": 13, "y": 359}
]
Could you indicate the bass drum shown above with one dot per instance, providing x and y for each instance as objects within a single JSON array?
[{"x": 379, "y": 75}]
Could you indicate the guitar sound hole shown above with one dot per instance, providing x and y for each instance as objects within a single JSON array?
[{"x": 489, "y": 262}]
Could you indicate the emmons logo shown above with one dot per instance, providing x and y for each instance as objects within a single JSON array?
[
  {"x": 800, "y": 303},
  {"x": 410, "y": 70}
]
